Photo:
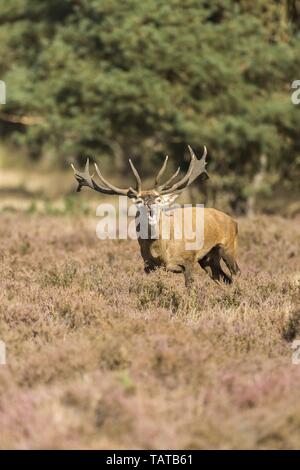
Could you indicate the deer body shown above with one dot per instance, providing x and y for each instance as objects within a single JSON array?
[
  {"x": 219, "y": 230},
  {"x": 219, "y": 242}
]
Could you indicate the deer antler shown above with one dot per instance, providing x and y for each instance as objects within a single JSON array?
[
  {"x": 85, "y": 179},
  {"x": 161, "y": 171},
  {"x": 199, "y": 166},
  {"x": 138, "y": 178},
  {"x": 196, "y": 169}
]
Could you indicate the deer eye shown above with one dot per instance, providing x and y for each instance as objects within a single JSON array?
[
  {"x": 138, "y": 201},
  {"x": 158, "y": 199}
]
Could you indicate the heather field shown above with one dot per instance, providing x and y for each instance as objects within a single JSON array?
[
  {"x": 100, "y": 355},
  {"x": 203, "y": 98}
]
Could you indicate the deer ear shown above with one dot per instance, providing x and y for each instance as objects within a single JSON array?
[
  {"x": 169, "y": 198},
  {"x": 172, "y": 197}
]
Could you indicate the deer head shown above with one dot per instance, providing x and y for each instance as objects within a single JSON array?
[{"x": 161, "y": 196}]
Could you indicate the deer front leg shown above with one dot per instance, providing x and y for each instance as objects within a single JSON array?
[
  {"x": 189, "y": 269},
  {"x": 150, "y": 266},
  {"x": 175, "y": 268}
]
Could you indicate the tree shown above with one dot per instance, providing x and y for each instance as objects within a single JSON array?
[{"x": 143, "y": 78}]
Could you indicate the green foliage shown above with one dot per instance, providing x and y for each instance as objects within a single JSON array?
[{"x": 146, "y": 77}]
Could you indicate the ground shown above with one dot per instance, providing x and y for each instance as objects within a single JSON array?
[{"x": 100, "y": 355}]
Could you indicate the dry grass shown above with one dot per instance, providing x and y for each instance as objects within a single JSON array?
[{"x": 99, "y": 355}]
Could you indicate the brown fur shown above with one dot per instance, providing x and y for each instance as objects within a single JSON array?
[{"x": 220, "y": 243}]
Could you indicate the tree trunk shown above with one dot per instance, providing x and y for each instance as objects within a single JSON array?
[
  {"x": 256, "y": 185},
  {"x": 293, "y": 12}
]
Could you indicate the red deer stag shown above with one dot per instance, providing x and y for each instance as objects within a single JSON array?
[{"x": 219, "y": 231}]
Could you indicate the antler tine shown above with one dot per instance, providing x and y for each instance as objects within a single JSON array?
[
  {"x": 196, "y": 169},
  {"x": 193, "y": 153},
  {"x": 183, "y": 182},
  {"x": 86, "y": 168},
  {"x": 167, "y": 183},
  {"x": 161, "y": 171},
  {"x": 113, "y": 188},
  {"x": 85, "y": 179},
  {"x": 199, "y": 169},
  {"x": 138, "y": 178}
]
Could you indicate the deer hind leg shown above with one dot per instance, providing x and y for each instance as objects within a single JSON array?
[
  {"x": 228, "y": 256},
  {"x": 211, "y": 264}
]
